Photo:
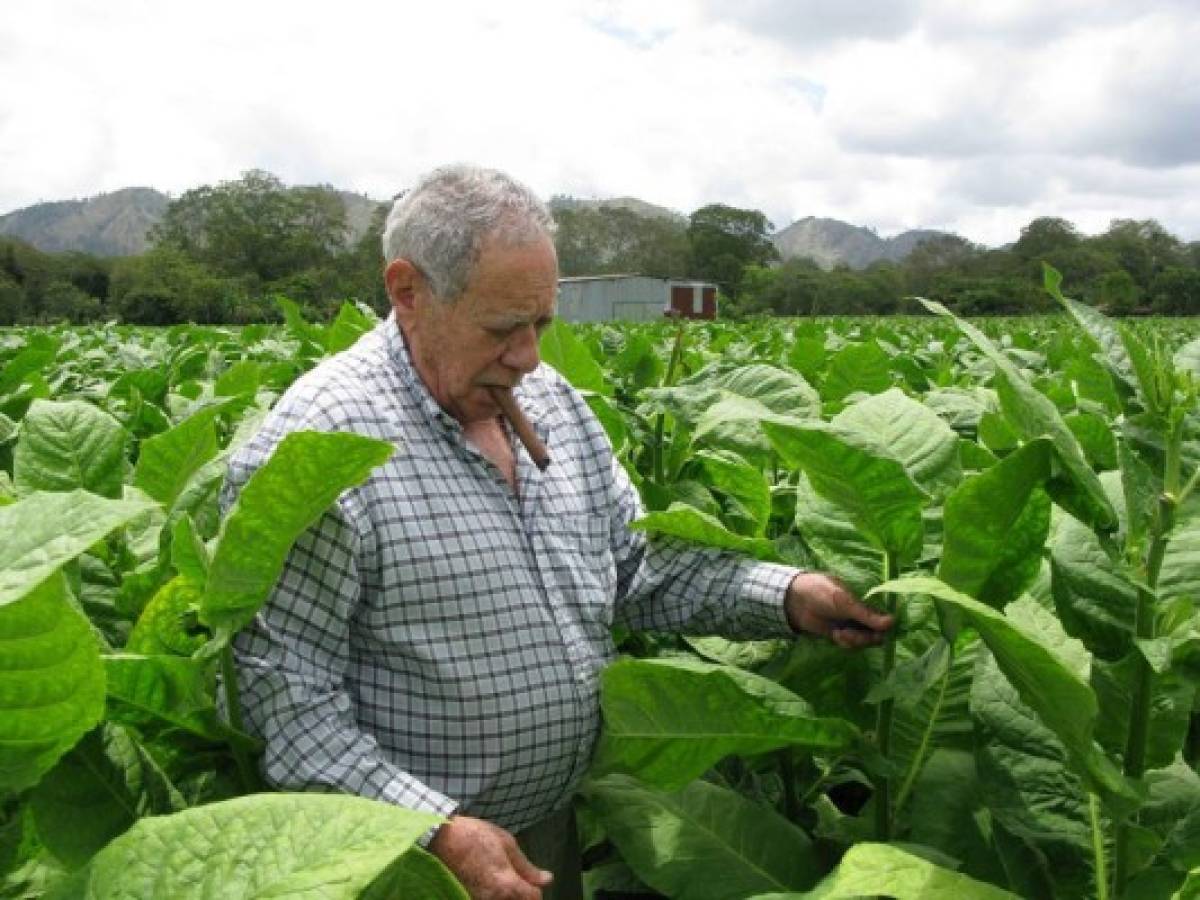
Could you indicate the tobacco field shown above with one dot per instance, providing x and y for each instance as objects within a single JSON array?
[{"x": 1022, "y": 493}]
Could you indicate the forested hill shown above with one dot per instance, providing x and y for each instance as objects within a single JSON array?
[
  {"x": 831, "y": 242},
  {"x": 118, "y": 223},
  {"x": 106, "y": 225}
]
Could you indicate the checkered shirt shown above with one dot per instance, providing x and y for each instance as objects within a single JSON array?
[{"x": 436, "y": 641}]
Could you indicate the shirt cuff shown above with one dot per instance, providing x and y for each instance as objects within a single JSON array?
[{"x": 763, "y": 590}]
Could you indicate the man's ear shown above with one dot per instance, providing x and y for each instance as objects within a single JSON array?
[{"x": 403, "y": 281}]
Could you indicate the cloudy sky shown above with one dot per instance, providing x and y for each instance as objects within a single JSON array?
[{"x": 971, "y": 117}]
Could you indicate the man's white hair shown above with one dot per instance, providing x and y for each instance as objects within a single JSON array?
[{"x": 441, "y": 224}]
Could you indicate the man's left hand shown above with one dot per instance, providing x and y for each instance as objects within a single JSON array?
[{"x": 821, "y": 605}]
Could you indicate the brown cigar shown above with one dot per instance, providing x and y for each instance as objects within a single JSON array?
[{"x": 533, "y": 444}]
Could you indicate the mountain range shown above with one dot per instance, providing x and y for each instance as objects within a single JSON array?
[{"x": 117, "y": 223}]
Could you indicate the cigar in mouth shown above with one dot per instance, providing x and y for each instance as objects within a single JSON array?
[{"x": 521, "y": 425}]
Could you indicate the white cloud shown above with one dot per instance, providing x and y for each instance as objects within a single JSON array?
[{"x": 933, "y": 113}]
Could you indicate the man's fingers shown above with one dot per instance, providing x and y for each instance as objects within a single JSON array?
[
  {"x": 849, "y": 638},
  {"x": 527, "y": 870}
]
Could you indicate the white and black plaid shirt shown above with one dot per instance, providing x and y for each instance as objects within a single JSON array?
[{"x": 436, "y": 641}]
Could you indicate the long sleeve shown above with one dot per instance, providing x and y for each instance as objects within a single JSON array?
[
  {"x": 669, "y": 585},
  {"x": 292, "y": 663}
]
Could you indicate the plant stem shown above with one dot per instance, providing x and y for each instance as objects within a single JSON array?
[
  {"x": 1139, "y": 709},
  {"x": 1100, "y": 862},
  {"x": 883, "y": 718},
  {"x": 660, "y": 420},
  {"x": 233, "y": 704},
  {"x": 919, "y": 759}
]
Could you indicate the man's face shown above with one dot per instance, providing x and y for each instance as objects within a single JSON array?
[{"x": 489, "y": 335}]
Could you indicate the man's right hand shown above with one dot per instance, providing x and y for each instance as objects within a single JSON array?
[{"x": 487, "y": 860}]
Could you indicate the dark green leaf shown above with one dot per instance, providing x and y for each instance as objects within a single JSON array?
[
  {"x": 993, "y": 531},
  {"x": 704, "y": 843},
  {"x": 670, "y": 720}
]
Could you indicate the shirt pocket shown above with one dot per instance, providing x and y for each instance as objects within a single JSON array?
[{"x": 575, "y": 556}]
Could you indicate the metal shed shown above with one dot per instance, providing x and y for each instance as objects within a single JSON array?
[{"x": 633, "y": 298}]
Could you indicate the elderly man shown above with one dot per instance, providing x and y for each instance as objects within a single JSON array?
[{"x": 436, "y": 640}]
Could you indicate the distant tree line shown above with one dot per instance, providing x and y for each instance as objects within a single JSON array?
[
  {"x": 1135, "y": 267},
  {"x": 222, "y": 253}
]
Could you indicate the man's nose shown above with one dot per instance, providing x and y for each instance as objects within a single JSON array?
[{"x": 522, "y": 353}]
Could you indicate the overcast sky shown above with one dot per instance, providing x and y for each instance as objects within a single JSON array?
[{"x": 970, "y": 117}]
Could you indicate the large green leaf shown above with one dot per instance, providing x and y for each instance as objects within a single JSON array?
[
  {"x": 734, "y": 476},
  {"x": 96, "y": 792},
  {"x": 158, "y": 689},
  {"x": 995, "y": 526},
  {"x": 416, "y": 874},
  {"x": 167, "y": 461},
  {"x": 703, "y": 843},
  {"x": 44, "y": 531},
  {"x": 66, "y": 445},
  {"x": 263, "y": 845},
  {"x": 1180, "y": 573},
  {"x": 833, "y": 536},
  {"x": 1095, "y": 600},
  {"x": 1102, "y": 330},
  {"x": 1171, "y": 698},
  {"x": 779, "y": 390},
  {"x": 946, "y": 812},
  {"x": 562, "y": 350},
  {"x": 1038, "y": 804},
  {"x": 306, "y": 473},
  {"x": 670, "y": 720},
  {"x": 51, "y": 682},
  {"x": 351, "y": 323},
  {"x": 912, "y": 433},
  {"x": 687, "y": 523},
  {"x": 1036, "y": 416},
  {"x": 1048, "y": 671},
  {"x": 869, "y": 870},
  {"x": 860, "y": 476},
  {"x": 857, "y": 368}
]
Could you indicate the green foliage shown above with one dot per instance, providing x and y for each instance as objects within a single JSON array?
[
  {"x": 275, "y": 844},
  {"x": 724, "y": 240},
  {"x": 1033, "y": 481}
]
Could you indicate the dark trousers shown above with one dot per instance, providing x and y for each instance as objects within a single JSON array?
[{"x": 553, "y": 844}]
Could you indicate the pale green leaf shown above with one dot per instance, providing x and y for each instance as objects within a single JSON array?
[
  {"x": 51, "y": 683},
  {"x": 44, "y": 531},
  {"x": 1036, "y": 416},
  {"x": 325, "y": 846},
  {"x": 912, "y": 433},
  {"x": 167, "y": 461},
  {"x": 66, "y": 445},
  {"x": 567, "y": 354},
  {"x": 303, "y": 477},
  {"x": 869, "y": 870}
]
